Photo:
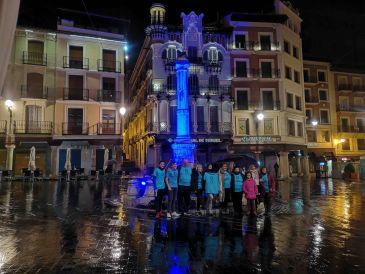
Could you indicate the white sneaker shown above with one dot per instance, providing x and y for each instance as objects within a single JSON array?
[
  {"x": 168, "y": 215},
  {"x": 175, "y": 214}
]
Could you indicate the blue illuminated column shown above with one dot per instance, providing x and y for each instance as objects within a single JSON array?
[{"x": 182, "y": 148}]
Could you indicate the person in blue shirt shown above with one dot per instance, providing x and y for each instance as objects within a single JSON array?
[
  {"x": 225, "y": 188},
  {"x": 171, "y": 183},
  {"x": 211, "y": 187},
  {"x": 198, "y": 186},
  {"x": 237, "y": 180},
  {"x": 184, "y": 180},
  {"x": 159, "y": 180}
]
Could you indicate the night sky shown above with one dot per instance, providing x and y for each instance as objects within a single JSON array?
[{"x": 332, "y": 29}]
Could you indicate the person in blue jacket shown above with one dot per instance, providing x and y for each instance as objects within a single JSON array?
[
  {"x": 184, "y": 179},
  {"x": 171, "y": 182},
  {"x": 198, "y": 186},
  {"x": 211, "y": 187},
  {"x": 237, "y": 180},
  {"x": 159, "y": 175}
]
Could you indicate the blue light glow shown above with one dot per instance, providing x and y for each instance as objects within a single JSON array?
[
  {"x": 143, "y": 183},
  {"x": 182, "y": 148}
]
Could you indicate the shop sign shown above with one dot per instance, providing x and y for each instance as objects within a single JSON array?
[
  {"x": 258, "y": 139},
  {"x": 201, "y": 140}
]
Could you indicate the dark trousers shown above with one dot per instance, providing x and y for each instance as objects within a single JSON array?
[
  {"x": 237, "y": 202},
  {"x": 227, "y": 197},
  {"x": 267, "y": 202},
  {"x": 199, "y": 199},
  {"x": 184, "y": 198},
  {"x": 251, "y": 206},
  {"x": 158, "y": 199}
]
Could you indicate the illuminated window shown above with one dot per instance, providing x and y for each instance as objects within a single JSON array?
[
  {"x": 171, "y": 53},
  {"x": 311, "y": 135},
  {"x": 240, "y": 41},
  {"x": 213, "y": 55}
]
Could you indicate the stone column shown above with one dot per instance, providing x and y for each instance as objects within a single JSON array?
[
  {"x": 53, "y": 173},
  {"x": 299, "y": 166},
  {"x": 195, "y": 124},
  {"x": 157, "y": 154},
  {"x": 9, "y": 156},
  {"x": 306, "y": 165},
  {"x": 284, "y": 165}
]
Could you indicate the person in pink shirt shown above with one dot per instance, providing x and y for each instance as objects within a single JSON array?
[{"x": 250, "y": 190}]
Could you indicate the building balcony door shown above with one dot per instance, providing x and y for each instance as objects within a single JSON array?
[
  {"x": 108, "y": 121},
  {"x": 76, "y": 87},
  {"x": 76, "y": 57},
  {"x": 33, "y": 117},
  {"x": 35, "y": 52},
  {"x": 109, "y": 60},
  {"x": 214, "y": 120},
  {"x": 75, "y": 121},
  {"x": 267, "y": 100},
  {"x": 34, "y": 85}
]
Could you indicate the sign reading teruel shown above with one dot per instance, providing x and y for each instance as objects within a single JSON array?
[
  {"x": 260, "y": 139},
  {"x": 201, "y": 140}
]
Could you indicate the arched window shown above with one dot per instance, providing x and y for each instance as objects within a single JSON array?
[
  {"x": 193, "y": 84},
  {"x": 171, "y": 53},
  {"x": 213, "y": 55}
]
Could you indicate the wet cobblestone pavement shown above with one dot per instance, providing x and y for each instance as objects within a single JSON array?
[{"x": 54, "y": 227}]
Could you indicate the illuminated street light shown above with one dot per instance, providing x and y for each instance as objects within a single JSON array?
[
  {"x": 125, "y": 48},
  {"x": 9, "y": 103},
  {"x": 342, "y": 140},
  {"x": 122, "y": 111},
  {"x": 260, "y": 116},
  {"x": 314, "y": 123}
]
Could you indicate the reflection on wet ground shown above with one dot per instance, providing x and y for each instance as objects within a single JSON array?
[{"x": 54, "y": 227}]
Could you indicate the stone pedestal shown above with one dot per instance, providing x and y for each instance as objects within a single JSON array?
[
  {"x": 299, "y": 166},
  {"x": 9, "y": 156},
  {"x": 306, "y": 165}
]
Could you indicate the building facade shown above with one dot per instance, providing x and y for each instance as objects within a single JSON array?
[
  {"x": 151, "y": 128},
  {"x": 267, "y": 69},
  {"x": 321, "y": 116},
  {"x": 67, "y": 87}
]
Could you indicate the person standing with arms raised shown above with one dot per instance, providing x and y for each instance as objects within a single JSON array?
[{"x": 184, "y": 180}]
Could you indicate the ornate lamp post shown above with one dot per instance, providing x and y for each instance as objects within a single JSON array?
[{"x": 259, "y": 116}]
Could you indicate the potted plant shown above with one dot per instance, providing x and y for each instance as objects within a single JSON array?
[{"x": 349, "y": 172}]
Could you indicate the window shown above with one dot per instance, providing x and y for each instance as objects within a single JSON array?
[
  {"x": 295, "y": 52},
  {"x": 321, "y": 76},
  {"x": 324, "y": 118},
  {"x": 296, "y": 76},
  {"x": 76, "y": 57},
  {"x": 265, "y": 42},
  {"x": 266, "y": 69},
  {"x": 306, "y": 75},
  {"x": 268, "y": 100},
  {"x": 298, "y": 103},
  {"x": 325, "y": 134},
  {"x": 356, "y": 82},
  {"x": 360, "y": 125},
  {"x": 308, "y": 114},
  {"x": 300, "y": 129},
  {"x": 242, "y": 99},
  {"x": 286, "y": 47},
  {"x": 288, "y": 73},
  {"x": 311, "y": 135},
  {"x": 171, "y": 82},
  {"x": 241, "y": 69},
  {"x": 171, "y": 53},
  {"x": 345, "y": 125},
  {"x": 307, "y": 95},
  {"x": 243, "y": 127},
  {"x": 358, "y": 101},
  {"x": 213, "y": 55},
  {"x": 269, "y": 126},
  {"x": 346, "y": 145},
  {"x": 35, "y": 53},
  {"x": 289, "y": 100},
  {"x": 361, "y": 144},
  {"x": 193, "y": 84},
  {"x": 33, "y": 117},
  {"x": 213, "y": 83},
  {"x": 240, "y": 41},
  {"x": 291, "y": 128},
  {"x": 323, "y": 95}
]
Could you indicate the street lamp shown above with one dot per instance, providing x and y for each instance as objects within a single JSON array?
[
  {"x": 259, "y": 117},
  {"x": 342, "y": 140},
  {"x": 122, "y": 111},
  {"x": 314, "y": 123},
  {"x": 10, "y": 104}
]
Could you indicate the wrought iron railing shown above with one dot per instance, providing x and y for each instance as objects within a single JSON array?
[
  {"x": 36, "y": 92},
  {"x": 34, "y": 58},
  {"x": 76, "y": 63},
  {"x": 33, "y": 127},
  {"x": 76, "y": 94},
  {"x": 75, "y": 128},
  {"x": 106, "y": 129},
  {"x": 108, "y": 96},
  {"x": 109, "y": 66}
]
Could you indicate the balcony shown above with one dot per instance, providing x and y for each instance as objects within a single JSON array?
[
  {"x": 344, "y": 87},
  {"x": 310, "y": 79},
  {"x": 75, "y": 63},
  {"x": 213, "y": 67},
  {"x": 33, "y": 127},
  {"x": 358, "y": 88},
  {"x": 108, "y": 96},
  {"x": 198, "y": 90},
  {"x": 106, "y": 129},
  {"x": 34, "y": 92},
  {"x": 34, "y": 58},
  {"x": 351, "y": 108},
  {"x": 76, "y": 94},
  {"x": 311, "y": 100},
  {"x": 268, "y": 74},
  {"x": 3, "y": 126},
  {"x": 273, "y": 46},
  {"x": 75, "y": 128},
  {"x": 109, "y": 66},
  {"x": 249, "y": 45},
  {"x": 267, "y": 105}
]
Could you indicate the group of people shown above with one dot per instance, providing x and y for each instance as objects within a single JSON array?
[{"x": 209, "y": 185}]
